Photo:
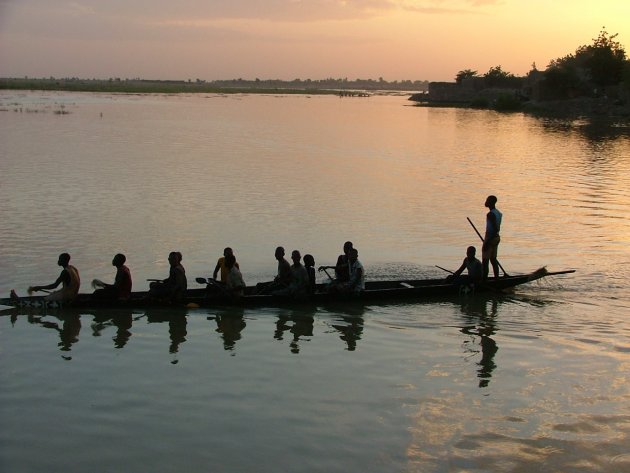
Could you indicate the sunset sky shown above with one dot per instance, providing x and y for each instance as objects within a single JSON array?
[{"x": 289, "y": 39}]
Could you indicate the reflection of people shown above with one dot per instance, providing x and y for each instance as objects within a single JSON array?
[
  {"x": 302, "y": 327},
  {"x": 69, "y": 278},
  {"x": 473, "y": 267},
  {"x": 230, "y": 326},
  {"x": 121, "y": 289},
  {"x": 482, "y": 324},
  {"x": 68, "y": 333},
  {"x": 122, "y": 321},
  {"x": 491, "y": 240},
  {"x": 173, "y": 288},
  {"x": 350, "y": 332},
  {"x": 221, "y": 266},
  {"x": 177, "y": 324}
]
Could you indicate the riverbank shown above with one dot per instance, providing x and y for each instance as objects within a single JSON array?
[
  {"x": 143, "y": 87},
  {"x": 582, "y": 107},
  {"x": 358, "y": 88}
]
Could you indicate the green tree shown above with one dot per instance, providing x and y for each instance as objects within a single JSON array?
[
  {"x": 603, "y": 60},
  {"x": 497, "y": 77},
  {"x": 465, "y": 74},
  {"x": 596, "y": 65}
]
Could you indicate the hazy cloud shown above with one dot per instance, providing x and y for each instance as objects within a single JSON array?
[{"x": 270, "y": 10}]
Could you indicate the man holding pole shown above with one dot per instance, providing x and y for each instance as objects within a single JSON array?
[{"x": 491, "y": 239}]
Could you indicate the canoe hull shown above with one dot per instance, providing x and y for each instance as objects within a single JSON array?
[{"x": 405, "y": 290}]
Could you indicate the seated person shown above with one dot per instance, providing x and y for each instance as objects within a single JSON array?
[
  {"x": 173, "y": 288},
  {"x": 69, "y": 279},
  {"x": 342, "y": 268},
  {"x": 356, "y": 283},
  {"x": 300, "y": 284},
  {"x": 221, "y": 265},
  {"x": 309, "y": 264},
  {"x": 234, "y": 284},
  {"x": 121, "y": 289},
  {"x": 472, "y": 265},
  {"x": 282, "y": 279}
]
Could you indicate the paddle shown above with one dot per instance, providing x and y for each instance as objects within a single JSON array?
[
  {"x": 444, "y": 269},
  {"x": 479, "y": 234},
  {"x": 212, "y": 282},
  {"x": 323, "y": 268}
]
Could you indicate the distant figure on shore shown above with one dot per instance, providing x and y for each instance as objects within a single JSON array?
[
  {"x": 222, "y": 267},
  {"x": 173, "y": 288},
  {"x": 309, "y": 264},
  {"x": 69, "y": 279},
  {"x": 234, "y": 282},
  {"x": 121, "y": 289},
  {"x": 342, "y": 268},
  {"x": 473, "y": 267},
  {"x": 490, "y": 248}
]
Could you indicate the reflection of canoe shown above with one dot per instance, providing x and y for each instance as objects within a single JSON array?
[{"x": 407, "y": 290}]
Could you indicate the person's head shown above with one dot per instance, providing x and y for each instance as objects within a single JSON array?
[
  {"x": 471, "y": 251},
  {"x": 354, "y": 254},
  {"x": 491, "y": 201},
  {"x": 228, "y": 251},
  {"x": 296, "y": 256},
  {"x": 64, "y": 260},
  {"x": 309, "y": 260},
  {"x": 230, "y": 261},
  {"x": 279, "y": 253},
  {"x": 119, "y": 260},
  {"x": 347, "y": 246},
  {"x": 173, "y": 258}
]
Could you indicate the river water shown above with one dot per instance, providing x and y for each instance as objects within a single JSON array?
[{"x": 535, "y": 379}]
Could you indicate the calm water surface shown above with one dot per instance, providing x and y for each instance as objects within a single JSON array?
[{"x": 533, "y": 380}]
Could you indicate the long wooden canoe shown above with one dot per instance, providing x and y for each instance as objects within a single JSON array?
[{"x": 402, "y": 290}]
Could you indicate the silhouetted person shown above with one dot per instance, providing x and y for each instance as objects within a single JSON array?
[
  {"x": 356, "y": 283},
  {"x": 490, "y": 248},
  {"x": 309, "y": 264},
  {"x": 234, "y": 283},
  {"x": 69, "y": 279},
  {"x": 283, "y": 277},
  {"x": 221, "y": 266},
  {"x": 173, "y": 288},
  {"x": 342, "y": 268},
  {"x": 299, "y": 285},
  {"x": 121, "y": 289},
  {"x": 473, "y": 267}
]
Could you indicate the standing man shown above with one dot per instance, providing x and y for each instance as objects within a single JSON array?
[{"x": 491, "y": 239}]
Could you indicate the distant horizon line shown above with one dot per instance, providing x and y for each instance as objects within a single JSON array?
[{"x": 199, "y": 80}]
